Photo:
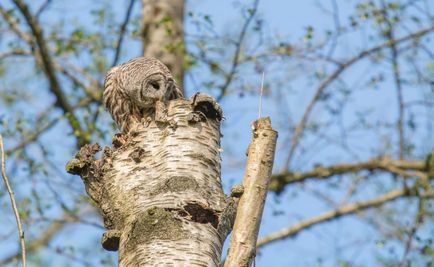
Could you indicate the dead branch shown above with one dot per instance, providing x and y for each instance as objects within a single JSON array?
[{"x": 259, "y": 165}]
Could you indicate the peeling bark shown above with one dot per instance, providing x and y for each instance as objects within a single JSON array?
[{"x": 159, "y": 190}]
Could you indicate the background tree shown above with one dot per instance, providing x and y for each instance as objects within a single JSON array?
[{"x": 349, "y": 87}]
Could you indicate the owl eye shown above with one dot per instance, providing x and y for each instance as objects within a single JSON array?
[{"x": 155, "y": 85}]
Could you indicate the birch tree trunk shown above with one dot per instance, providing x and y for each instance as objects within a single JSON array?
[
  {"x": 158, "y": 188},
  {"x": 163, "y": 35}
]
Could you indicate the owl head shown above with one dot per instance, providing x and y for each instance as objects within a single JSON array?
[
  {"x": 152, "y": 82},
  {"x": 132, "y": 89}
]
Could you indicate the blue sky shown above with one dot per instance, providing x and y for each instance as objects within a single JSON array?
[{"x": 345, "y": 238}]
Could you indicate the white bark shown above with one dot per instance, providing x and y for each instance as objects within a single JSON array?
[
  {"x": 159, "y": 188},
  {"x": 242, "y": 248}
]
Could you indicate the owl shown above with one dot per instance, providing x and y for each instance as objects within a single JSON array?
[{"x": 132, "y": 89}]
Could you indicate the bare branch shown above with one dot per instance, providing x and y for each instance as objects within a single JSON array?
[
  {"x": 235, "y": 61},
  {"x": 14, "y": 205},
  {"x": 279, "y": 181},
  {"x": 54, "y": 228},
  {"x": 256, "y": 178},
  {"x": 42, "y": 8},
  {"x": 122, "y": 33},
  {"x": 44, "y": 238},
  {"x": 344, "y": 66},
  {"x": 400, "y": 98},
  {"x": 90, "y": 91},
  {"x": 49, "y": 70},
  {"x": 15, "y": 52},
  {"x": 33, "y": 136},
  {"x": 418, "y": 220},
  {"x": 390, "y": 35},
  {"x": 67, "y": 70},
  {"x": 15, "y": 27},
  {"x": 343, "y": 210}
]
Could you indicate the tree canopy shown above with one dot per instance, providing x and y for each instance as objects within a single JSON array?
[{"x": 348, "y": 85}]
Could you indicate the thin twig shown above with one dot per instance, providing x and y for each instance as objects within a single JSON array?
[
  {"x": 235, "y": 61},
  {"x": 418, "y": 220},
  {"x": 16, "y": 52},
  {"x": 42, "y": 8},
  {"x": 13, "y": 24},
  {"x": 55, "y": 227},
  {"x": 44, "y": 238},
  {"x": 43, "y": 58},
  {"x": 90, "y": 91},
  {"x": 14, "y": 205},
  {"x": 390, "y": 35},
  {"x": 67, "y": 70},
  {"x": 261, "y": 93},
  {"x": 33, "y": 136},
  {"x": 337, "y": 25},
  {"x": 122, "y": 33}
]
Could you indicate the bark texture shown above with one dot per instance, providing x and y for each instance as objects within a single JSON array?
[
  {"x": 257, "y": 176},
  {"x": 159, "y": 190},
  {"x": 163, "y": 35}
]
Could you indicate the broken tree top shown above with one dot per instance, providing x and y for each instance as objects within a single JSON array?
[{"x": 159, "y": 189}]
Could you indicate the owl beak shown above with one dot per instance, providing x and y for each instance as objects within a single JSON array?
[{"x": 170, "y": 85}]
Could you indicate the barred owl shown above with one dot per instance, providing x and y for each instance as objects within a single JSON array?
[{"x": 132, "y": 89}]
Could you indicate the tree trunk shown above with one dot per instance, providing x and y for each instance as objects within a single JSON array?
[
  {"x": 159, "y": 188},
  {"x": 162, "y": 33}
]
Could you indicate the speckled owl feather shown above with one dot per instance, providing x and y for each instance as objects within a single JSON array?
[{"x": 132, "y": 89}]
